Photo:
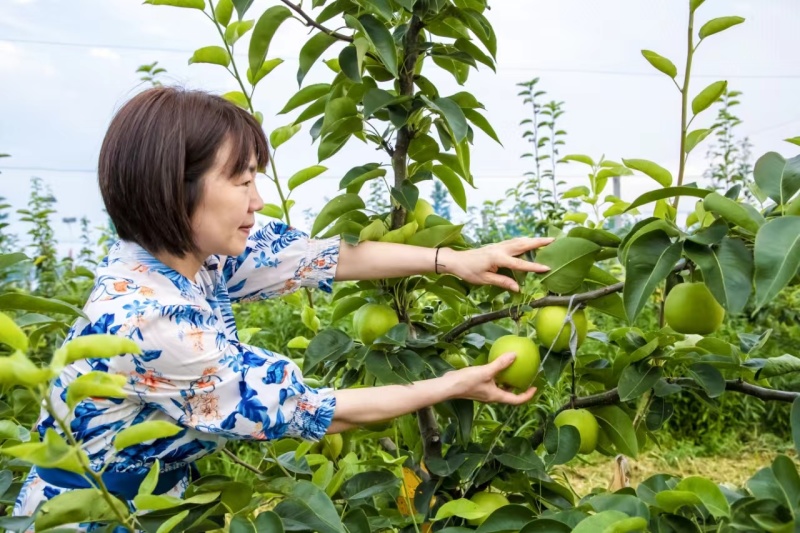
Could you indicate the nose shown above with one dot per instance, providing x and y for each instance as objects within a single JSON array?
[{"x": 256, "y": 202}]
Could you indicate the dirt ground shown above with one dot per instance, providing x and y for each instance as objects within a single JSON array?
[{"x": 598, "y": 470}]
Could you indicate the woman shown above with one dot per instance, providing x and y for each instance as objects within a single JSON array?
[{"x": 177, "y": 173}]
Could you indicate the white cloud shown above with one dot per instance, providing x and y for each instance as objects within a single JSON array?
[
  {"x": 10, "y": 56},
  {"x": 104, "y": 53}
]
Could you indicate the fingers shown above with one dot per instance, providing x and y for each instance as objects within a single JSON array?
[
  {"x": 521, "y": 245},
  {"x": 515, "y": 399},
  {"x": 502, "y": 362},
  {"x": 503, "y": 282},
  {"x": 515, "y": 263}
]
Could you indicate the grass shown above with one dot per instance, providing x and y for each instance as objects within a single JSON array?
[{"x": 681, "y": 459}]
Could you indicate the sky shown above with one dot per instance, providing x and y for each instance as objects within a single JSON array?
[{"x": 67, "y": 66}]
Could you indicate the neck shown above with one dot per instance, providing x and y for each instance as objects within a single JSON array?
[{"x": 188, "y": 265}]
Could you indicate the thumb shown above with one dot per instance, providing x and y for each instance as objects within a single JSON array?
[{"x": 503, "y": 362}]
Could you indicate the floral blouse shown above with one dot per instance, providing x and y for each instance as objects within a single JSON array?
[{"x": 193, "y": 370}]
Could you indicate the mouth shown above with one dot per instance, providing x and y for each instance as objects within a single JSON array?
[{"x": 246, "y": 229}]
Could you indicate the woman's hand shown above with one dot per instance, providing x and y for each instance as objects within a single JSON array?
[
  {"x": 480, "y": 266},
  {"x": 477, "y": 383}
]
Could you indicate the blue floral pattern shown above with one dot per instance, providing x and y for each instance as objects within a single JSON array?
[{"x": 192, "y": 370}]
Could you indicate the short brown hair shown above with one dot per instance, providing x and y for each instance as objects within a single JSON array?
[{"x": 157, "y": 148}]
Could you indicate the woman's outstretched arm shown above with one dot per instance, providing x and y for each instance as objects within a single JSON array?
[{"x": 356, "y": 407}]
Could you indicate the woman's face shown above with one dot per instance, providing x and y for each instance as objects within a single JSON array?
[{"x": 226, "y": 211}]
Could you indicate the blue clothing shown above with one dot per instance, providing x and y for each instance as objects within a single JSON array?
[{"x": 193, "y": 370}]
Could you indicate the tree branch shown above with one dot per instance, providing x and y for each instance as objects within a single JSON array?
[
  {"x": 517, "y": 310},
  {"x": 311, "y": 22},
  {"x": 241, "y": 463},
  {"x": 612, "y": 397}
]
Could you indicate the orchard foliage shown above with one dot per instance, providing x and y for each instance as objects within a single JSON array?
[{"x": 432, "y": 471}]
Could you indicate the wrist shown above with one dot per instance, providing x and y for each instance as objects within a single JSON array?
[
  {"x": 444, "y": 260},
  {"x": 451, "y": 385}
]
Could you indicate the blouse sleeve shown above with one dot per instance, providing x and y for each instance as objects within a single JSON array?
[
  {"x": 278, "y": 260},
  {"x": 190, "y": 370}
]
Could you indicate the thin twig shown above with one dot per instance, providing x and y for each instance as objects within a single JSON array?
[
  {"x": 241, "y": 463},
  {"x": 311, "y": 22},
  {"x": 516, "y": 311},
  {"x": 612, "y": 397}
]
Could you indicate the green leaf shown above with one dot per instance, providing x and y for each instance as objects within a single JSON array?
[
  {"x": 708, "y": 96},
  {"x": 236, "y": 30},
  {"x": 466, "y": 46},
  {"x": 777, "y": 177},
  {"x": 727, "y": 270},
  {"x": 406, "y": 195},
  {"x": 241, "y": 7},
  {"x": 709, "y": 378},
  {"x": 618, "y": 427},
  {"x": 223, "y": 12},
  {"x": 96, "y": 384},
  {"x": 482, "y": 29},
  {"x": 662, "y": 176},
  {"x": 507, "y": 518},
  {"x": 579, "y": 158},
  {"x": 11, "y": 334},
  {"x": 708, "y": 493},
  {"x": 357, "y": 176},
  {"x": 382, "y": 41},
  {"x": 667, "y": 192},
  {"x": 311, "y": 51},
  {"x": 402, "y": 234},
  {"x": 717, "y": 25},
  {"x": 215, "y": 55},
  {"x": 37, "y": 304},
  {"x": 334, "y": 209},
  {"x": 144, "y": 432},
  {"x": 562, "y": 444},
  {"x": 282, "y": 134},
  {"x": 377, "y": 99},
  {"x": 453, "y": 115},
  {"x": 695, "y": 137},
  {"x": 368, "y": 484},
  {"x": 193, "y": 4},
  {"x": 482, "y": 123},
  {"x": 777, "y": 257},
  {"x": 731, "y": 211},
  {"x": 52, "y": 452},
  {"x": 268, "y": 66},
  {"x": 661, "y": 63},
  {"x": 518, "y": 454},
  {"x": 272, "y": 211},
  {"x": 238, "y": 98},
  {"x": 269, "y": 521},
  {"x": 435, "y": 236},
  {"x": 302, "y": 176},
  {"x": 672, "y": 500},
  {"x": 795, "y": 420},
  {"x": 462, "y": 508},
  {"x": 636, "y": 380},
  {"x": 347, "y": 306},
  {"x": 774, "y": 366},
  {"x": 793, "y": 140},
  {"x": 76, "y": 506},
  {"x": 569, "y": 259},
  {"x": 264, "y": 31},
  {"x": 453, "y": 183},
  {"x": 694, "y": 4},
  {"x": 600, "y": 522},
  {"x": 349, "y": 63},
  {"x": 7, "y": 260},
  {"x": 309, "y": 508},
  {"x": 327, "y": 345},
  {"x": 305, "y": 95},
  {"x": 98, "y": 345},
  {"x": 649, "y": 260}
]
